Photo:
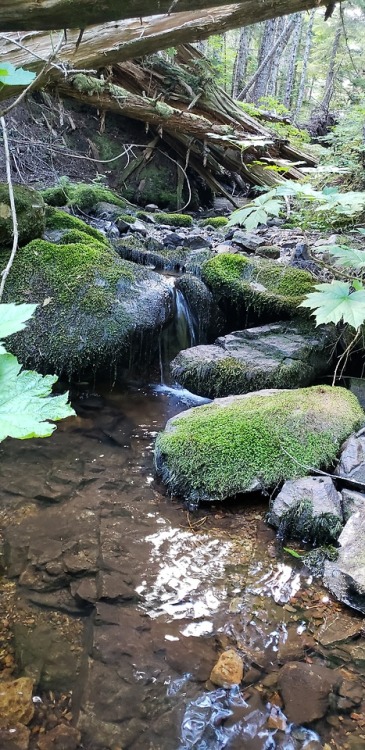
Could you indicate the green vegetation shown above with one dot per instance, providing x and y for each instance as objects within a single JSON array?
[
  {"x": 80, "y": 195},
  {"x": 26, "y": 401},
  {"x": 30, "y": 214},
  {"x": 247, "y": 442},
  {"x": 265, "y": 288},
  {"x": 61, "y": 220},
  {"x": 299, "y": 522},
  {"x": 174, "y": 220},
  {"x": 217, "y": 222}
]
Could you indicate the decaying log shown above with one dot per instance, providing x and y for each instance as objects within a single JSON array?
[
  {"x": 26, "y": 15},
  {"x": 115, "y": 42}
]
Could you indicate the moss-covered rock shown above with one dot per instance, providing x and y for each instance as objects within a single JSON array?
[
  {"x": 80, "y": 195},
  {"x": 174, "y": 220},
  {"x": 246, "y": 443},
  {"x": 56, "y": 219},
  {"x": 217, "y": 222},
  {"x": 30, "y": 212},
  {"x": 91, "y": 303},
  {"x": 278, "y": 355},
  {"x": 256, "y": 289},
  {"x": 178, "y": 259}
]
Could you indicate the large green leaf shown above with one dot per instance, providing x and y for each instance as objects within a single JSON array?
[
  {"x": 12, "y": 319},
  {"x": 336, "y": 301},
  {"x": 12, "y": 76},
  {"x": 26, "y": 403},
  {"x": 348, "y": 257}
]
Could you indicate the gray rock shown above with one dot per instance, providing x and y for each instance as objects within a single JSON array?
[
  {"x": 151, "y": 207},
  {"x": 345, "y": 577},
  {"x": 107, "y": 211},
  {"x": 320, "y": 491},
  {"x": 173, "y": 239},
  {"x": 197, "y": 242},
  {"x": 352, "y": 502},
  {"x": 138, "y": 226},
  {"x": 248, "y": 240},
  {"x": 352, "y": 459},
  {"x": 278, "y": 355}
]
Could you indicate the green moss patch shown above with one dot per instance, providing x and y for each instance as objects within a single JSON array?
[
  {"x": 30, "y": 213},
  {"x": 246, "y": 443},
  {"x": 174, "y": 220},
  {"x": 217, "y": 222},
  {"x": 56, "y": 219},
  {"x": 263, "y": 287},
  {"x": 80, "y": 195}
]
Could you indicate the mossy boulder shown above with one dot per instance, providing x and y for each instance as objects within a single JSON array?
[
  {"x": 30, "y": 211},
  {"x": 253, "y": 442},
  {"x": 150, "y": 252},
  {"x": 217, "y": 222},
  {"x": 173, "y": 220},
  {"x": 58, "y": 220},
  {"x": 80, "y": 195},
  {"x": 278, "y": 355},
  {"x": 255, "y": 289},
  {"x": 91, "y": 304}
]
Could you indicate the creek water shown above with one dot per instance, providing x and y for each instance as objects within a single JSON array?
[{"x": 138, "y": 597}]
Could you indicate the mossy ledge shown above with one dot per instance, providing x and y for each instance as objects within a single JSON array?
[
  {"x": 56, "y": 219},
  {"x": 253, "y": 442},
  {"x": 29, "y": 207},
  {"x": 262, "y": 289},
  {"x": 80, "y": 195},
  {"x": 173, "y": 220},
  {"x": 90, "y": 303}
]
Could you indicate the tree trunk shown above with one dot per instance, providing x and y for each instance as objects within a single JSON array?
[
  {"x": 241, "y": 60},
  {"x": 303, "y": 76},
  {"x": 282, "y": 39},
  {"x": 274, "y": 67},
  {"x": 113, "y": 42},
  {"x": 328, "y": 89},
  {"x": 267, "y": 44},
  {"x": 298, "y": 20}
]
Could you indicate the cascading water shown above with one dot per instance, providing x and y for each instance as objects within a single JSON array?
[{"x": 180, "y": 334}]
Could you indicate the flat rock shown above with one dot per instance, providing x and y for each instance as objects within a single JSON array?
[
  {"x": 345, "y": 577},
  {"x": 320, "y": 491},
  {"x": 278, "y": 355},
  {"x": 305, "y": 689},
  {"x": 228, "y": 670},
  {"x": 338, "y": 628},
  {"x": 16, "y": 706}
]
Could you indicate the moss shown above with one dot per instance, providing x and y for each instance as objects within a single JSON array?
[
  {"x": 61, "y": 220},
  {"x": 263, "y": 287},
  {"x": 81, "y": 195},
  {"x": 30, "y": 212},
  {"x": 268, "y": 251},
  {"x": 74, "y": 236},
  {"x": 127, "y": 217},
  {"x": 298, "y": 522},
  {"x": 82, "y": 320},
  {"x": 246, "y": 442},
  {"x": 174, "y": 220},
  {"x": 217, "y": 222}
]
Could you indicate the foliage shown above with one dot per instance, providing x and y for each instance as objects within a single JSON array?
[
  {"x": 299, "y": 522},
  {"x": 347, "y": 145},
  {"x": 337, "y": 301},
  {"x": 26, "y": 403},
  {"x": 259, "y": 211},
  {"x": 11, "y": 76}
]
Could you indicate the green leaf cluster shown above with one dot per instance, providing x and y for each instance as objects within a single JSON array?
[
  {"x": 26, "y": 401},
  {"x": 11, "y": 76}
]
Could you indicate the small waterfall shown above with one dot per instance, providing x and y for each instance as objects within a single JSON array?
[{"x": 180, "y": 334}]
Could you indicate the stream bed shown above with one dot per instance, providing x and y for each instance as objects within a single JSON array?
[{"x": 117, "y": 601}]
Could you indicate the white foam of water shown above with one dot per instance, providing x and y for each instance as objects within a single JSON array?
[
  {"x": 198, "y": 629},
  {"x": 282, "y": 583},
  {"x": 181, "y": 393}
]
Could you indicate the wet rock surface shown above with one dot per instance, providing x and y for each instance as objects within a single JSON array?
[
  {"x": 228, "y": 670},
  {"x": 16, "y": 705},
  {"x": 345, "y": 577},
  {"x": 319, "y": 491},
  {"x": 157, "y": 594},
  {"x": 306, "y": 689},
  {"x": 279, "y": 355}
]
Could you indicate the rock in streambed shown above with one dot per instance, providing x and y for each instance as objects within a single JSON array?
[{"x": 252, "y": 442}]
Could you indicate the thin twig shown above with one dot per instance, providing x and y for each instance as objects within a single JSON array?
[
  {"x": 6, "y": 270},
  {"x": 344, "y": 356}
]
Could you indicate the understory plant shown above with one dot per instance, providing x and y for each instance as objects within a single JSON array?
[{"x": 27, "y": 406}]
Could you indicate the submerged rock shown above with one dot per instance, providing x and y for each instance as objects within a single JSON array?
[
  {"x": 305, "y": 689},
  {"x": 256, "y": 289},
  {"x": 345, "y": 577},
  {"x": 246, "y": 443},
  {"x": 16, "y": 706},
  {"x": 278, "y": 355},
  {"x": 91, "y": 304},
  {"x": 62, "y": 737},
  {"x": 15, "y": 737},
  {"x": 228, "y": 670}
]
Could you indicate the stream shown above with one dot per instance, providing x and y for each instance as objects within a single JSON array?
[{"x": 117, "y": 600}]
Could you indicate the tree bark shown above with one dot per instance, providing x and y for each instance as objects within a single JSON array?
[
  {"x": 274, "y": 67},
  {"x": 303, "y": 76},
  {"x": 328, "y": 89},
  {"x": 241, "y": 60},
  {"x": 266, "y": 47},
  {"x": 298, "y": 20},
  {"x": 284, "y": 36}
]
